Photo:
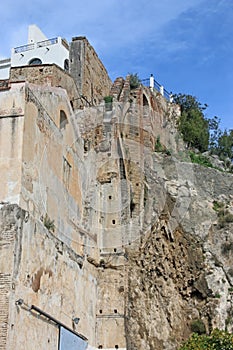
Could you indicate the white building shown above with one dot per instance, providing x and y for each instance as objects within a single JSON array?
[{"x": 38, "y": 50}]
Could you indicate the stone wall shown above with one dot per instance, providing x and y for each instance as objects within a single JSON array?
[
  {"x": 50, "y": 75},
  {"x": 88, "y": 71},
  {"x": 45, "y": 272},
  {"x": 11, "y": 140}
]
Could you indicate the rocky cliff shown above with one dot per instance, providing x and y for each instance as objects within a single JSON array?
[
  {"x": 175, "y": 219},
  {"x": 113, "y": 223},
  {"x": 181, "y": 275}
]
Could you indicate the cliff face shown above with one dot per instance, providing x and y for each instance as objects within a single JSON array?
[
  {"x": 141, "y": 240},
  {"x": 182, "y": 273},
  {"x": 173, "y": 222}
]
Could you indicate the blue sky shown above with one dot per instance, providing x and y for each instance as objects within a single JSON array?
[{"x": 186, "y": 44}]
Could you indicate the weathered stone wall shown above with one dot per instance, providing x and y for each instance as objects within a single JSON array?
[
  {"x": 11, "y": 139},
  {"x": 53, "y": 181},
  {"x": 50, "y": 75},
  {"x": 45, "y": 272},
  {"x": 88, "y": 71}
]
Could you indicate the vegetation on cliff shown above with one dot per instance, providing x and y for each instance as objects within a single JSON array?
[
  {"x": 201, "y": 133},
  {"x": 217, "y": 340}
]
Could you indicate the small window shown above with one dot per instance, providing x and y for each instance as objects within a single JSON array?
[
  {"x": 145, "y": 101},
  {"x": 35, "y": 61},
  {"x": 66, "y": 65},
  {"x": 113, "y": 222},
  {"x": 63, "y": 120},
  {"x": 66, "y": 172}
]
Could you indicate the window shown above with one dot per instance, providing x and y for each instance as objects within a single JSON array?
[
  {"x": 63, "y": 119},
  {"x": 66, "y": 65},
  {"x": 35, "y": 61},
  {"x": 145, "y": 101},
  {"x": 66, "y": 172}
]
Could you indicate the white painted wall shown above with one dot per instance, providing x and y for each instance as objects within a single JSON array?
[
  {"x": 35, "y": 34},
  {"x": 47, "y": 51},
  {"x": 4, "y": 69}
]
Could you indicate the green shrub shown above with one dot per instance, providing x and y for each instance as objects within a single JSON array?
[
  {"x": 198, "y": 326},
  {"x": 217, "y": 340},
  {"x": 217, "y": 205},
  {"x": 200, "y": 159},
  {"x": 48, "y": 223},
  {"x": 134, "y": 81},
  {"x": 108, "y": 99},
  {"x": 108, "y": 103},
  {"x": 158, "y": 146},
  {"x": 224, "y": 217}
]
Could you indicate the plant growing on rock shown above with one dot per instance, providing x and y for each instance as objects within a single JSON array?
[
  {"x": 198, "y": 326},
  {"x": 108, "y": 102},
  {"x": 217, "y": 340},
  {"x": 224, "y": 217},
  {"x": 134, "y": 81},
  {"x": 48, "y": 223}
]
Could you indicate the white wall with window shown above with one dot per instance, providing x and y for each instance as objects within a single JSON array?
[{"x": 40, "y": 50}]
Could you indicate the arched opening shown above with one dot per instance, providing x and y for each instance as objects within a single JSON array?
[
  {"x": 145, "y": 106},
  {"x": 35, "y": 61},
  {"x": 66, "y": 65},
  {"x": 145, "y": 101},
  {"x": 63, "y": 119}
]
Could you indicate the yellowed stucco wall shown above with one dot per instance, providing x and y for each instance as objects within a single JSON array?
[
  {"x": 48, "y": 274},
  {"x": 11, "y": 139}
]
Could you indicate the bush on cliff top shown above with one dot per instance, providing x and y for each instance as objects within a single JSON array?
[{"x": 217, "y": 340}]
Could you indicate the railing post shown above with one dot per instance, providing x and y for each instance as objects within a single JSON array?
[
  {"x": 161, "y": 90},
  {"x": 152, "y": 82}
]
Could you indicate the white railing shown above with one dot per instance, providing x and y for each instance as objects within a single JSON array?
[
  {"x": 32, "y": 46},
  {"x": 155, "y": 86},
  {"x": 47, "y": 42},
  {"x": 24, "y": 48}
]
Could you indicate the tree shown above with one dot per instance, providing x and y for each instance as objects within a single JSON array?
[
  {"x": 221, "y": 142},
  {"x": 134, "y": 80},
  {"x": 224, "y": 147},
  {"x": 217, "y": 340},
  {"x": 193, "y": 125}
]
